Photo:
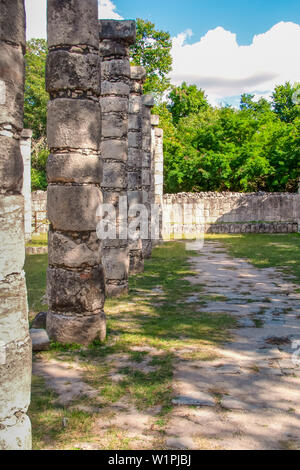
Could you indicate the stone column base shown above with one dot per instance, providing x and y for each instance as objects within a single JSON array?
[
  {"x": 117, "y": 290},
  {"x": 76, "y": 329}
]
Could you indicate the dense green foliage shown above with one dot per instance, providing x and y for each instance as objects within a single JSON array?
[
  {"x": 35, "y": 109},
  {"x": 255, "y": 148},
  {"x": 152, "y": 50}
]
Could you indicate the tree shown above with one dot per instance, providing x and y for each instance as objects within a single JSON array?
[
  {"x": 153, "y": 51},
  {"x": 36, "y": 97},
  {"x": 35, "y": 109},
  {"x": 187, "y": 100},
  {"x": 283, "y": 102}
]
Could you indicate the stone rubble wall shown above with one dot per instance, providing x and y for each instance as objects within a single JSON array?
[
  {"x": 75, "y": 276},
  {"x": 15, "y": 343},
  {"x": 39, "y": 212},
  {"x": 115, "y": 37},
  {"x": 231, "y": 213},
  {"x": 135, "y": 153}
]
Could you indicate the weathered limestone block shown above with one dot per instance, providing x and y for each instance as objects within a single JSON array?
[
  {"x": 40, "y": 340},
  {"x": 76, "y": 291},
  {"x": 112, "y": 127},
  {"x": 73, "y": 124},
  {"x": 15, "y": 381},
  {"x": 73, "y": 208},
  {"x": 70, "y": 71},
  {"x": 117, "y": 264},
  {"x": 118, "y": 31},
  {"x": 67, "y": 328},
  {"x": 74, "y": 168},
  {"x": 135, "y": 158},
  {"x": 17, "y": 435},
  {"x": 13, "y": 313},
  {"x": 12, "y": 23},
  {"x": 114, "y": 175},
  {"x": 72, "y": 23},
  {"x": 12, "y": 240},
  {"x": 114, "y": 88},
  {"x": 11, "y": 85},
  {"x": 114, "y": 150},
  {"x": 114, "y": 104},
  {"x": 109, "y": 48},
  {"x": 11, "y": 104},
  {"x": 11, "y": 165},
  {"x": 74, "y": 251}
]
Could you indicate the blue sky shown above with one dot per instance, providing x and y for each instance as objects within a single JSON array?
[
  {"x": 226, "y": 47},
  {"x": 244, "y": 18}
]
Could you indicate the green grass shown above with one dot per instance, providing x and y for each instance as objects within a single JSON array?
[
  {"x": 153, "y": 316},
  {"x": 40, "y": 239},
  {"x": 266, "y": 251},
  {"x": 35, "y": 269}
]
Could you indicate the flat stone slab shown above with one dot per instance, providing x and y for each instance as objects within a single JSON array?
[
  {"x": 202, "y": 399},
  {"x": 39, "y": 323},
  {"x": 40, "y": 340}
]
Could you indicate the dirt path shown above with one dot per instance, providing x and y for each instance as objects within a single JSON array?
[{"x": 250, "y": 397}]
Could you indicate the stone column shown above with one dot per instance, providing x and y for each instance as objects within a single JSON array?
[
  {"x": 15, "y": 344},
  {"x": 115, "y": 39},
  {"x": 26, "y": 189},
  {"x": 75, "y": 278},
  {"x": 135, "y": 152},
  {"x": 148, "y": 103},
  {"x": 157, "y": 170}
]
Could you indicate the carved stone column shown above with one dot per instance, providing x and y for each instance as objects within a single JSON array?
[
  {"x": 148, "y": 103},
  {"x": 157, "y": 171},
  {"x": 115, "y": 39},
  {"x": 26, "y": 189},
  {"x": 76, "y": 284},
  {"x": 15, "y": 344},
  {"x": 135, "y": 139}
]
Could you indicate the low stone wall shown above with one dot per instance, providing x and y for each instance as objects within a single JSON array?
[
  {"x": 39, "y": 211},
  {"x": 230, "y": 213}
]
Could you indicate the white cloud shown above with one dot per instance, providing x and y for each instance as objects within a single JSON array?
[
  {"x": 37, "y": 21},
  {"x": 223, "y": 68},
  {"x": 107, "y": 10}
]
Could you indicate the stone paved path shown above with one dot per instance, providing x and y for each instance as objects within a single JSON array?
[{"x": 250, "y": 397}]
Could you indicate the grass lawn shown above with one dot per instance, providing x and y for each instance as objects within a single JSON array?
[
  {"x": 154, "y": 315},
  {"x": 40, "y": 239},
  {"x": 265, "y": 251}
]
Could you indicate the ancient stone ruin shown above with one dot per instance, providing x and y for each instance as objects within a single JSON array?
[
  {"x": 76, "y": 282},
  {"x": 115, "y": 39},
  {"x": 15, "y": 345}
]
